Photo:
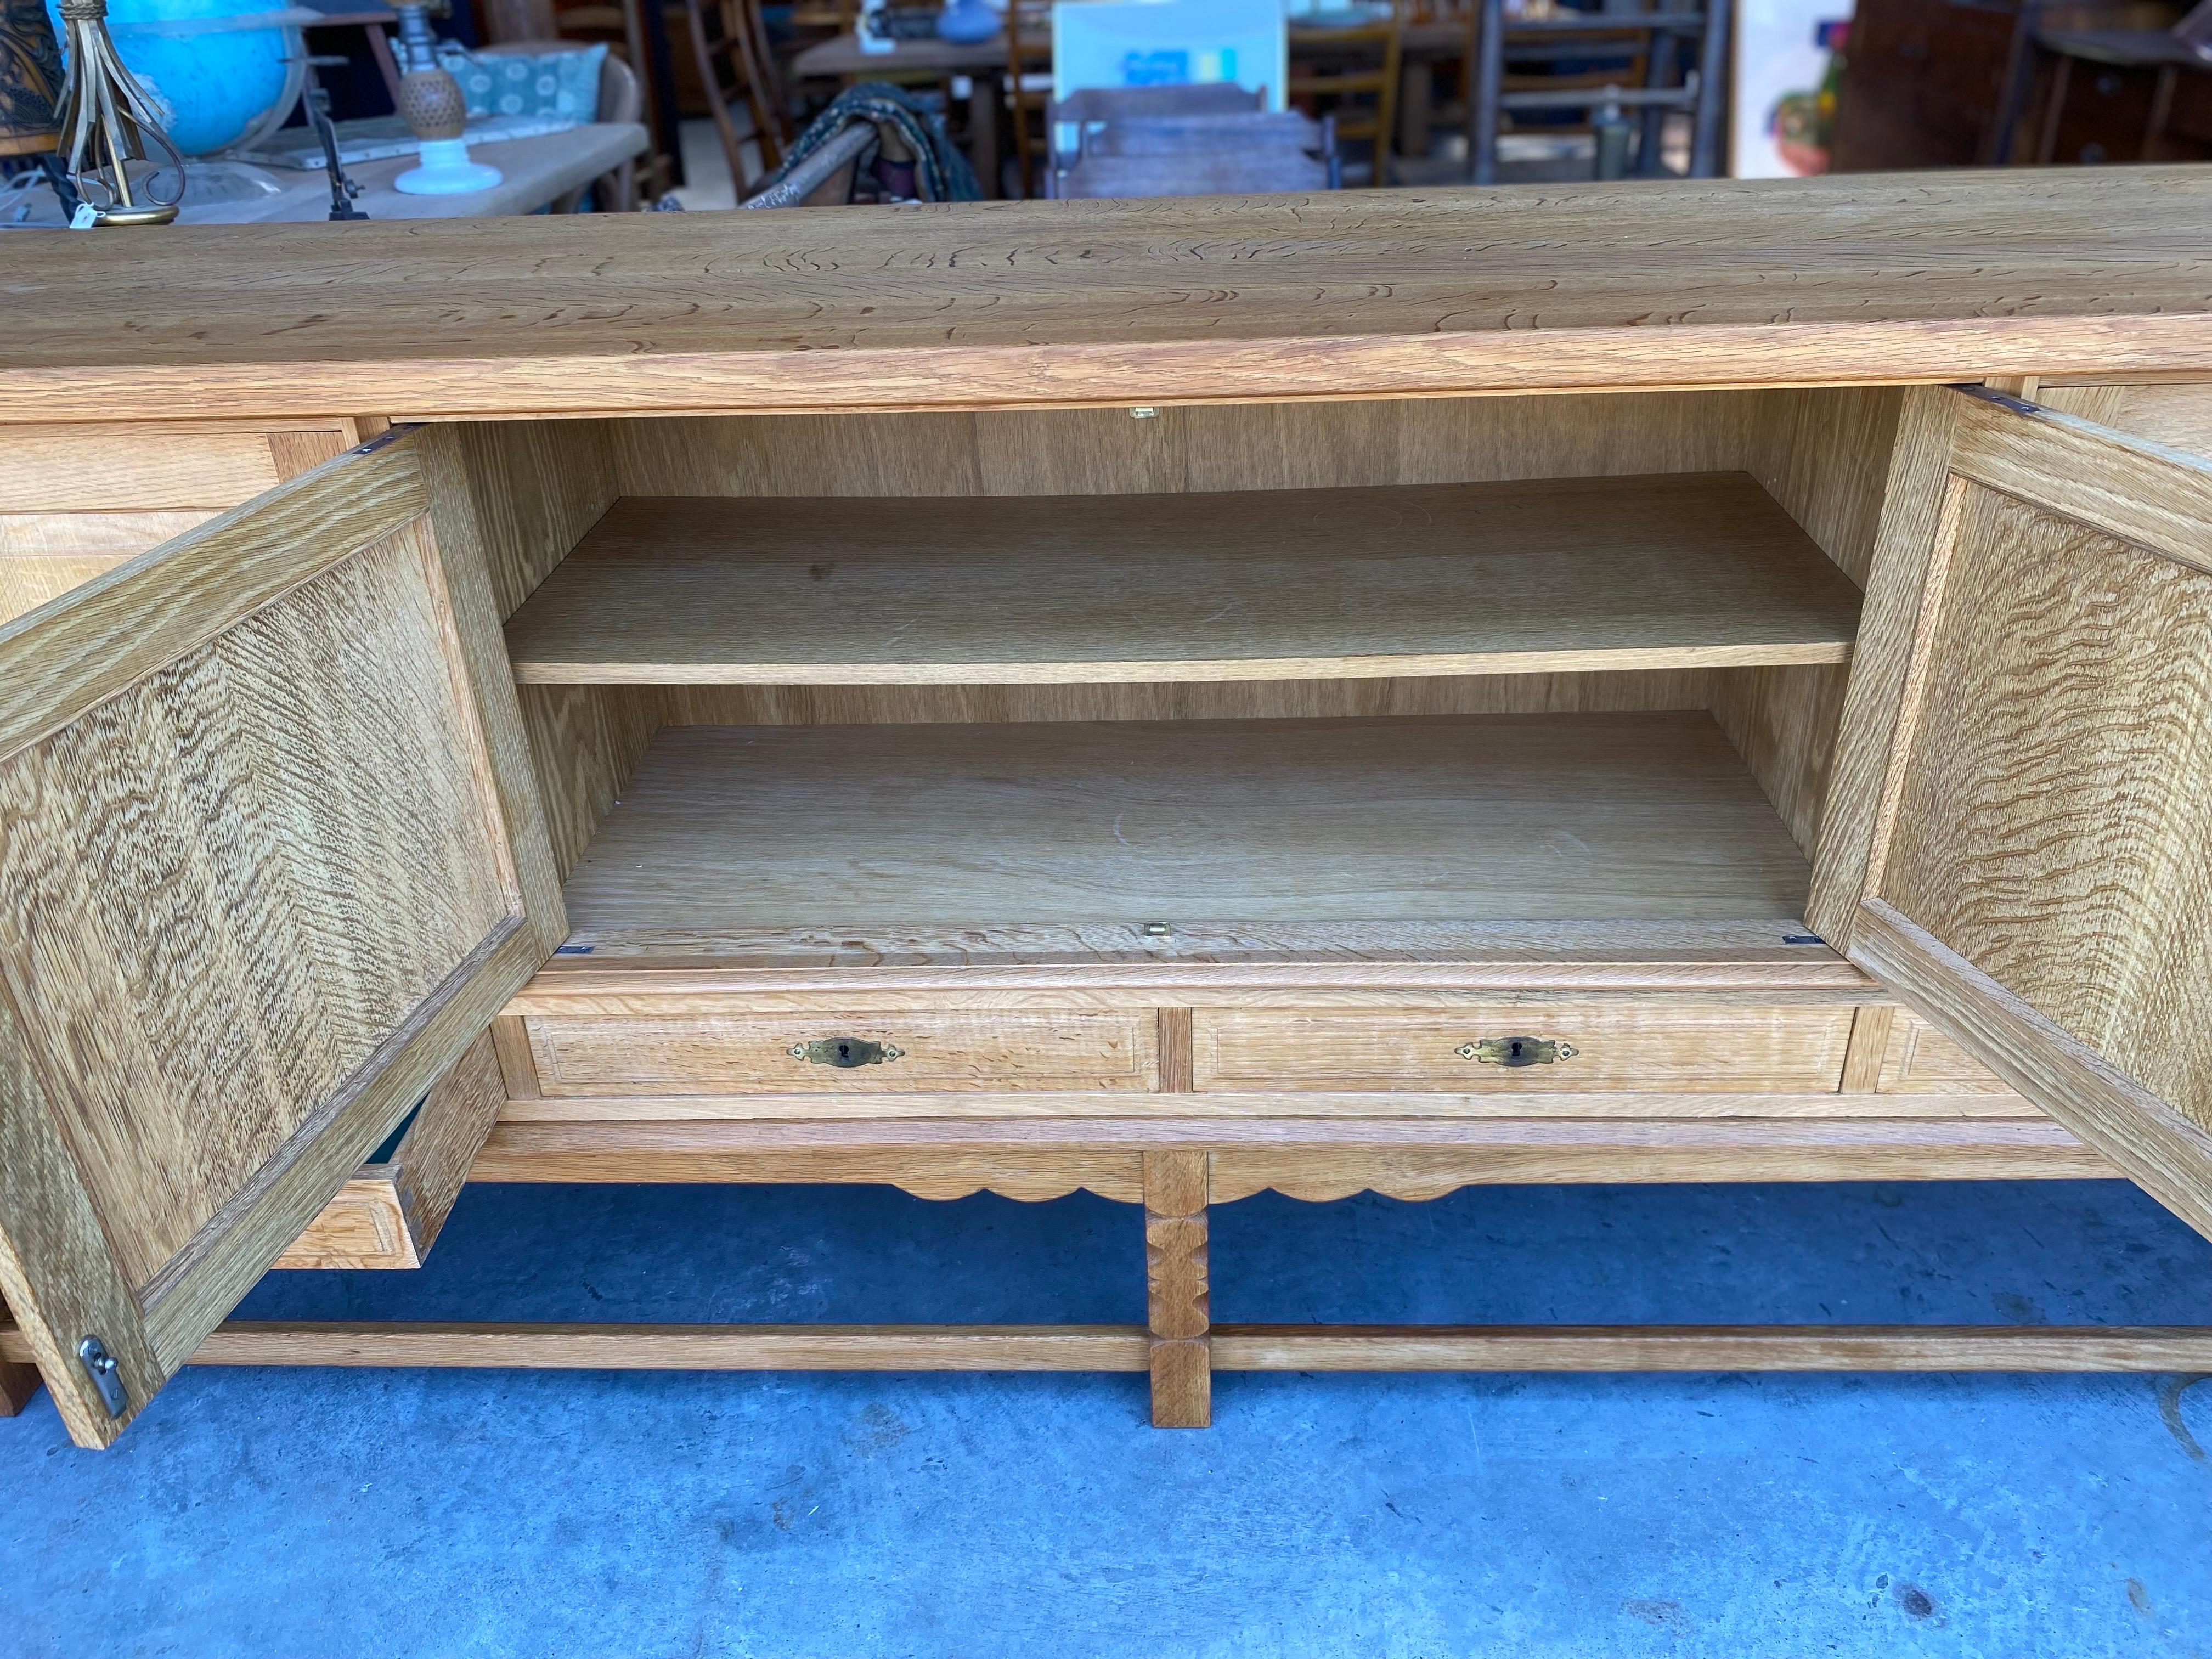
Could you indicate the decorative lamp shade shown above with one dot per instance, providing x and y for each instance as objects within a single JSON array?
[{"x": 30, "y": 79}]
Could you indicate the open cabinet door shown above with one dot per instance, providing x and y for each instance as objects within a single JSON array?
[
  {"x": 270, "y": 857},
  {"x": 2019, "y": 833}
]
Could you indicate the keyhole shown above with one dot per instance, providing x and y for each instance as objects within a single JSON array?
[
  {"x": 1513, "y": 1052},
  {"x": 844, "y": 1054}
]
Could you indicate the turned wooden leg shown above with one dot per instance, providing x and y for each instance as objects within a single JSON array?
[{"x": 1175, "y": 1293}]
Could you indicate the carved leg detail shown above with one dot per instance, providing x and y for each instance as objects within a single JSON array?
[{"x": 1177, "y": 1294}]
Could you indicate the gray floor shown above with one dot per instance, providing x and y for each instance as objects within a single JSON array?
[{"x": 400, "y": 1514}]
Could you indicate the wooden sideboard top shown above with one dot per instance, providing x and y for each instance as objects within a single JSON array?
[{"x": 1862, "y": 278}]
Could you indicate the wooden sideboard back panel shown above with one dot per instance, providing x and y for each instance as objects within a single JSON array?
[{"x": 1823, "y": 454}]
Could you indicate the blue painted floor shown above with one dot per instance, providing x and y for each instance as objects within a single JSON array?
[{"x": 400, "y": 1514}]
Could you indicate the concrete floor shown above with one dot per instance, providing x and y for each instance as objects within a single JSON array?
[{"x": 404, "y": 1514}]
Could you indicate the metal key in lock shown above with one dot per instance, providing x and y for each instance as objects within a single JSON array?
[
  {"x": 1516, "y": 1051},
  {"x": 106, "y": 1375},
  {"x": 846, "y": 1052}
]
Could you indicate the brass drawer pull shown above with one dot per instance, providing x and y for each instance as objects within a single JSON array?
[
  {"x": 846, "y": 1052},
  {"x": 1516, "y": 1051}
]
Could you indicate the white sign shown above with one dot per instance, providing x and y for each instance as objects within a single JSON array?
[{"x": 1783, "y": 96}]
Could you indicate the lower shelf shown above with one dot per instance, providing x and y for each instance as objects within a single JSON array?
[{"x": 1392, "y": 838}]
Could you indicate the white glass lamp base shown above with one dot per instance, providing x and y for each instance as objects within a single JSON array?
[{"x": 445, "y": 171}]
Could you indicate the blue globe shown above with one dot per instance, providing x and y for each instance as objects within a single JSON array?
[{"x": 220, "y": 83}]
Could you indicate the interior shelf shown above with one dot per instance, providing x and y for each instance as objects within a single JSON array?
[
  {"x": 1672, "y": 571},
  {"x": 756, "y": 839}
]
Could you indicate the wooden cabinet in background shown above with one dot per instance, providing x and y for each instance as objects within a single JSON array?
[
  {"x": 1959, "y": 83},
  {"x": 1923, "y": 82}
]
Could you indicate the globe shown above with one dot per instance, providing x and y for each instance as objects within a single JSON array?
[{"x": 221, "y": 84}]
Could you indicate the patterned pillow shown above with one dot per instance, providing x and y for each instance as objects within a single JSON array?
[{"x": 565, "y": 82}]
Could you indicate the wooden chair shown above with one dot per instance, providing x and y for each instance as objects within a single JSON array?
[
  {"x": 1351, "y": 75},
  {"x": 1650, "y": 46},
  {"x": 1238, "y": 153},
  {"x": 620, "y": 100},
  {"x": 825, "y": 179},
  {"x": 624, "y": 26},
  {"x": 1029, "y": 84},
  {"x": 730, "y": 41}
]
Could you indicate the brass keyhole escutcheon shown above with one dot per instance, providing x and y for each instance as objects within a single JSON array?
[
  {"x": 845, "y": 1052},
  {"x": 1516, "y": 1051}
]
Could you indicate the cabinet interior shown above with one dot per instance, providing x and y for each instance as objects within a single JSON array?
[{"x": 1380, "y": 678}]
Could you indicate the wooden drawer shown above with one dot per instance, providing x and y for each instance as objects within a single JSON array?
[
  {"x": 936, "y": 1050},
  {"x": 1919, "y": 1059},
  {"x": 1626, "y": 1046}
]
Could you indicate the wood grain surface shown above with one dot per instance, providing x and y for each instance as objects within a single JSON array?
[
  {"x": 76, "y": 500},
  {"x": 1355, "y": 443},
  {"x": 2054, "y": 822},
  {"x": 939, "y": 1049},
  {"x": 257, "y": 888},
  {"x": 1581, "y": 692},
  {"x": 2019, "y": 1348},
  {"x": 205, "y": 964},
  {"x": 1754, "y": 1050},
  {"x": 390, "y": 1214},
  {"x": 671, "y": 1347},
  {"x": 1945, "y": 1098},
  {"x": 44, "y": 554},
  {"x": 1177, "y": 1289},
  {"x": 1668, "y": 572},
  {"x": 2036, "y": 864},
  {"x": 1712, "y": 1348},
  {"x": 1654, "y": 282},
  {"x": 68, "y": 467},
  {"x": 363, "y": 1226},
  {"x": 1916, "y": 1059},
  {"x": 1307, "y": 1158},
  {"x": 1921, "y": 493},
  {"x": 1613, "y": 817},
  {"x": 1367, "y": 963},
  {"x": 2174, "y": 412}
]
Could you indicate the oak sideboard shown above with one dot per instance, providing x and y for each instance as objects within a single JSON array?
[{"x": 1385, "y": 690}]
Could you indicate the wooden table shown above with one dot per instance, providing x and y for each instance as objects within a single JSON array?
[
  {"x": 534, "y": 171},
  {"x": 1176, "y": 699},
  {"x": 984, "y": 62}
]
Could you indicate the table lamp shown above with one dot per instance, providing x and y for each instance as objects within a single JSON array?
[
  {"x": 82, "y": 101},
  {"x": 432, "y": 105}
]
